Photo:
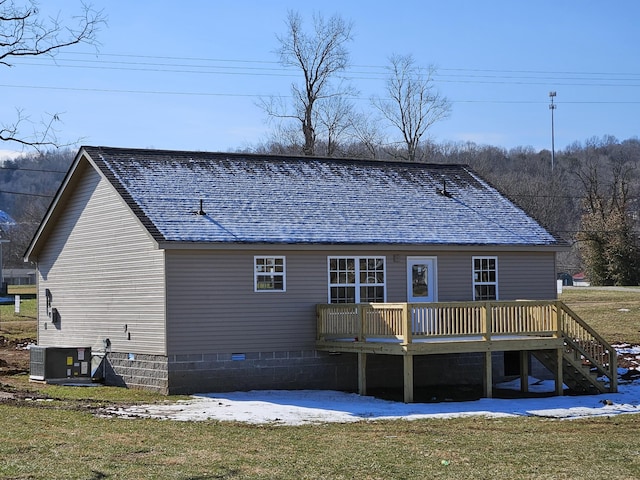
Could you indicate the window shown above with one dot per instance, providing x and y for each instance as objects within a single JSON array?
[
  {"x": 485, "y": 278},
  {"x": 356, "y": 279},
  {"x": 269, "y": 274}
]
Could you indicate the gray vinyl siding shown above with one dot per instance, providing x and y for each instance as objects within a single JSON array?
[
  {"x": 105, "y": 275},
  {"x": 212, "y": 306},
  {"x": 529, "y": 276},
  {"x": 455, "y": 277},
  {"x": 521, "y": 275}
]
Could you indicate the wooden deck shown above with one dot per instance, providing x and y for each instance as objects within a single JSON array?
[{"x": 548, "y": 329}]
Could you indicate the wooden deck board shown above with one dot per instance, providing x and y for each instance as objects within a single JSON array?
[{"x": 440, "y": 345}]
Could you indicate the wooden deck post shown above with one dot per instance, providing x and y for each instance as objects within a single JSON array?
[
  {"x": 559, "y": 379},
  {"x": 408, "y": 378},
  {"x": 613, "y": 372},
  {"x": 362, "y": 336},
  {"x": 556, "y": 324},
  {"x": 486, "y": 321},
  {"x": 524, "y": 371},
  {"x": 488, "y": 375},
  {"x": 362, "y": 373},
  {"x": 408, "y": 324}
]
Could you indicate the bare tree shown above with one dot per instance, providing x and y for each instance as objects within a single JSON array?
[
  {"x": 24, "y": 33},
  {"x": 367, "y": 131},
  {"x": 333, "y": 117},
  {"x": 320, "y": 56},
  {"x": 283, "y": 139},
  {"x": 413, "y": 104}
]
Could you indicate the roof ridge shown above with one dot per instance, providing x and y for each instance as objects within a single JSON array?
[{"x": 267, "y": 156}]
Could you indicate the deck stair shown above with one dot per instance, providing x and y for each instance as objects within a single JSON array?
[
  {"x": 589, "y": 363},
  {"x": 578, "y": 375}
]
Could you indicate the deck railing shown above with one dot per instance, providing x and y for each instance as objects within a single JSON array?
[
  {"x": 411, "y": 322},
  {"x": 586, "y": 344}
]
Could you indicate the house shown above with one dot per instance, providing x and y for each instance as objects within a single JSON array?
[
  {"x": 193, "y": 271},
  {"x": 580, "y": 279},
  {"x": 565, "y": 279},
  {"x": 20, "y": 276}
]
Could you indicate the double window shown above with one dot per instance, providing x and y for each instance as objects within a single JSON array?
[
  {"x": 269, "y": 274},
  {"x": 485, "y": 278},
  {"x": 357, "y": 279}
]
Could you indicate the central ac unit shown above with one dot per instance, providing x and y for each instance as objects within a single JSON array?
[{"x": 50, "y": 363}]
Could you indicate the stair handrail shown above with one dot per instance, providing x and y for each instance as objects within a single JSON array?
[{"x": 610, "y": 370}]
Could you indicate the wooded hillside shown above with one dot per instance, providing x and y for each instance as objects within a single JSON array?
[
  {"x": 589, "y": 198},
  {"x": 27, "y": 186}
]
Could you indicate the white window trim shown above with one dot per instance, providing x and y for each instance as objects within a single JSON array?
[
  {"x": 256, "y": 273},
  {"x": 357, "y": 284},
  {"x": 473, "y": 271}
]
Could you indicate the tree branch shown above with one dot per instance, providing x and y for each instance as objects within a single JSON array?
[{"x": 25, "y": 33}]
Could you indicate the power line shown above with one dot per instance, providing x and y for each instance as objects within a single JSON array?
[
  {"x": 147, "y": 92},
  {"x": 372, "y": 72},
  {"x": 219, "y": 70},
  {"x": 262, "y": 68},
  {"x": 204, "y": 59},
  {"x": 270, "y": 72},
  {"x": 514, "y": 195},
  {"x": 540, "y": 72},
  {"x": 26, "y": 169},
  {"x": 40, "y": 195},
  {"x": 383, "y": 68},
  {"x": 256, "y": 95}
]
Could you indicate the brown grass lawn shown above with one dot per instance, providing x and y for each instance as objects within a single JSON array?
[
  {"x": 54, "y": 433},
  {"x": 615, "y": 314}
]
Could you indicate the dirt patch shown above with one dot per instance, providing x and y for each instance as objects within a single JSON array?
[
  {"x": 14, "y": 355},
  {"x": 14, "y": 360}
]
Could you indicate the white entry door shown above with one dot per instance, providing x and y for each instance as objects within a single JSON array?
[{"x": 421, "y": 279}]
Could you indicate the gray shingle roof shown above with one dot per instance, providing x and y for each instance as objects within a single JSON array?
[{"x": 273, "y": 199}]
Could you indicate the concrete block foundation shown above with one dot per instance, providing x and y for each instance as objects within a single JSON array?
[{"x": 295, "y": 370}]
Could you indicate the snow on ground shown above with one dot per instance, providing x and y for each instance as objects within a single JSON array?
[{"x": 298, "y": 407}]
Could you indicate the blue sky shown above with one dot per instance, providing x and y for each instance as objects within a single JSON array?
[{"x": 187, "y": 75}]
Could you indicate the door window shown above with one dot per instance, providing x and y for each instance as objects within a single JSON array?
[{"x": 421, "y": 279}]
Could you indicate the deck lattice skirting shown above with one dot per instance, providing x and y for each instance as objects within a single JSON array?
[{"x": 573, "y": 350}]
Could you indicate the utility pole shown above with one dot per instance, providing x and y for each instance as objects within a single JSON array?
[
  {"x": 2, "y": 290},
  {"x": 552, "y": 107}
]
